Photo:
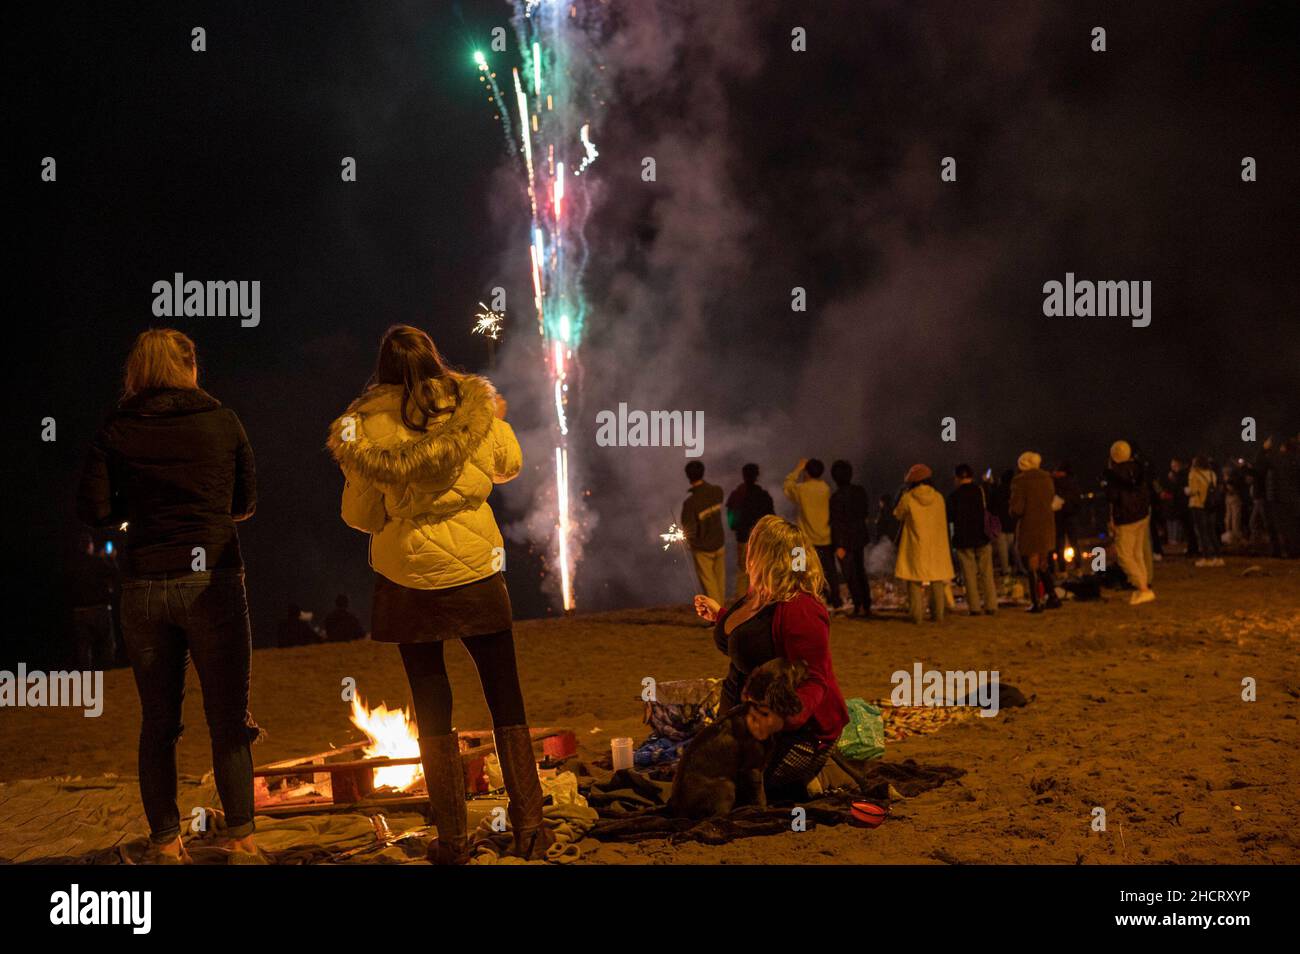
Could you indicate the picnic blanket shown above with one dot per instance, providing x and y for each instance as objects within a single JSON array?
[
  {"x": 570, "y": 823},
  {"x": 633, "y": 806}
]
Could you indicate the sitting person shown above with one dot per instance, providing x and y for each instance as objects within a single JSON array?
[
  {"x": 294, "y": 630},
  {"x": 341, "y": 625},
  {"x": 783, "y": 617}
]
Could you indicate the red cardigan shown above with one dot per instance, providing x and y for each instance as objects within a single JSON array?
[{"x": 801, "y": 631}]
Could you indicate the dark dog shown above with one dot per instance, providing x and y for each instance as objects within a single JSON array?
[{"x": 722, "y": 767}]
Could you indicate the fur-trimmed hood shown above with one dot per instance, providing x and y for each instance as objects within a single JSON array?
[{"x": 370, "y": 440}]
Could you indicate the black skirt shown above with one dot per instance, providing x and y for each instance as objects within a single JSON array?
[{"x": 401, "y": 614}]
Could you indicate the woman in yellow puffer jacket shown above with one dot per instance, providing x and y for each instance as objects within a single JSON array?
[{"x": 420, "y": 451}]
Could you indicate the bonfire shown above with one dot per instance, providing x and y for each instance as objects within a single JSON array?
[{"x": 391, "y": 734}]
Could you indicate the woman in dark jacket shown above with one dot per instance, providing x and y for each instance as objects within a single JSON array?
[
  {"x": 1032, "y": 491},
  {"x": 782, "y": 616},
  {"x": 176, "y": 468}
]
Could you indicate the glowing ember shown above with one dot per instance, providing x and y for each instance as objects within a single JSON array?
[
  {"x": 393, "y": 735},
  {"x": 675, "y": 534}
]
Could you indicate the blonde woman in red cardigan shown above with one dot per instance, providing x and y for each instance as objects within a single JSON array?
[{"x": 783, "y": 616}]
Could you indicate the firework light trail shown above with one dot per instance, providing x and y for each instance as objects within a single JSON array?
[{"x": 552, "y": 100}]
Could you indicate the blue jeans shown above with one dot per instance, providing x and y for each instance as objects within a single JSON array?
[{"x": 165, "y": 623}]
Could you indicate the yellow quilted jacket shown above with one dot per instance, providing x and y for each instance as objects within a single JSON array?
[{"x": 422, "y": 497}]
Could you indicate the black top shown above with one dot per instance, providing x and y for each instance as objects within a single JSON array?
[
  {"x": 849, "y": 510},
  {"x": 886, "y": 524},
  {"x": 966, "y": 509},
  {"x": 176, "y": 466},
  {"x": 1128, "y": 491},
  {"x": 1177, "y": 483},
  {"x": 1067, "y": 488},
  {"x": 295, "y": 632},
  {"x": 748, "y": 646},
  {"x": 748, "y": 504},
  {"x": 341, "y": 626},
  {"x": 90, "y": 579}
]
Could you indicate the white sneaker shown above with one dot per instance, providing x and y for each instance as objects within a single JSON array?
[
  {"x": 1218, "y": 561},
  {"x": 1202, "y": 562},
  {"x": 1142, "y": 596}
]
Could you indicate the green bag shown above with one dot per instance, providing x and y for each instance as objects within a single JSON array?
[{"x": 864, "y": 737}]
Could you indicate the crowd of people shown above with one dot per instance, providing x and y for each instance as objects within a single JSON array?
[{"x": 1029, "y": 522}]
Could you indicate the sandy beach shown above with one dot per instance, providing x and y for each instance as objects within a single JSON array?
[{"x": 1136, "y": 710}]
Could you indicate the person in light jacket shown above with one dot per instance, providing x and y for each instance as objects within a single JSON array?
[
  {"x": 924, "y": 555},
  {"x": 811, "y": 496},
  {"x": 1201, "y": 482},
  {"x": 421, "y": 450}
]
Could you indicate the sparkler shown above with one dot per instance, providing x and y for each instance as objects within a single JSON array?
[
  {"x": 553, "y": 100},
  {"x": 675, "y": 534},
  {"x": 488, "y": 322}
]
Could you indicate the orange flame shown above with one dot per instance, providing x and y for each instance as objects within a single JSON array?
[{"x": 392, "y": 734}]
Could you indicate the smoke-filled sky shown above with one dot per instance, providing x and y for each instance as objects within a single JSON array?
[{"x": 775, "y": 169}]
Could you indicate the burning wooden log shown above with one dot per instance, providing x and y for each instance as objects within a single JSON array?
[{"x": 349, "y": 779}]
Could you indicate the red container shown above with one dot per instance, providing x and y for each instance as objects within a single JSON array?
[
  {"x": 475, "y": 776},
  {"x": 560, "y": 746},
  {"x": 869, "y": 814}
]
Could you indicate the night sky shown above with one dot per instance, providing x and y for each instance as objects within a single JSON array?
[{"x": 775, "y": 169}]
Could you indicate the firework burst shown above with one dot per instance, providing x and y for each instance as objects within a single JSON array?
[{"x": 553, "y": 104}]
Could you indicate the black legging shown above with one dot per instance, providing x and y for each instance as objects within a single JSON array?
[
  {"x": 494, "y": 657},
  {"x": 795, "y": 759}
]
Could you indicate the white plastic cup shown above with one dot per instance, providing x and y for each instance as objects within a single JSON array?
[
  {"x": 621, "y": 751},
  {"x": 492, "y": 768}
]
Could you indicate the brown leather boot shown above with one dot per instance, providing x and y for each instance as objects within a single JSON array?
[
  {"x": 519, "y": 769},
  {"x": 444, "y": 775}
]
